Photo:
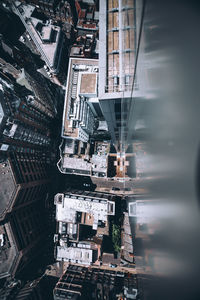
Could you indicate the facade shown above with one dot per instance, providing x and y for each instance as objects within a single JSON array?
[
  {"x": 26, "y": 74},
  {"x": 82, "y": 220},
  {"x": 79, "y": 282},
  {"x": 25, "y": 181},
  {"x": 10, "y": 23},
  {"x": 116, "y": 65},
  {"x": 24, "y": 123},
  {"x": 24, "y": 69},
  {"x": 28, "y": 102},
  {"x": 38, "y": 289}
]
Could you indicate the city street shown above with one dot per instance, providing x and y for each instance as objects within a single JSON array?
[{"x": 134, "y": 186}]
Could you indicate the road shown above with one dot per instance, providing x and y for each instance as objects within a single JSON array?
[{"x": 136, "y": 186}]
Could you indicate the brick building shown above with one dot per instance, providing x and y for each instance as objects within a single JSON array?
[
  {"x": 82, "y": 222},
  {"x": 95, "y": 283},
  {"x": 24, "y": 184}
]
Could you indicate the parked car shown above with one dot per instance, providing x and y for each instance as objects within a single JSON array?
[
  {"x": 46, "y": 68},
  {"x": 22, "y": 39},
  {"x": 115, "y": 188},
  {"x": 28, "y": 36},
  {"x": 112, "y": 265},
  {"x": 49, "y": 74},
  {"x": 86, "y": 184}
]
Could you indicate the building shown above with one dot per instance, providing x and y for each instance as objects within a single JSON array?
[
  {"x": 84, "y": 46},
  {"x": 82, "y": 220},
  {"x": 87, "y": 16},
  {"x": 80, "y": 99},
  {"x": 48, "y": 38},
  {"x": 28, "y": 101},
  {"x": 55, "y": 9},
  {"x": 26, "y": 73},
  {"x": 84, "y": 159},
  {"x": 24, "y": 123},
  {"x": 24, "y": 185},
  {"x": 116, "y": 66},
  {"x": 79, "y": 282},
  {"x": 127, "y": 240},
  {"x": 80, "y": 118},
  {"x": 37, "y": 289},
  {"x": 116, "y": 73},
  {"x": 10, "y": 24}
]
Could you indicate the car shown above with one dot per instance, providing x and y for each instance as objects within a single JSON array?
[
  {"x": 49, "y": 74},
  {"x": 86, "y": 184},
  {"x": 46, "y": 68},
  {"x": 115, "y": 188},
  {"x": 28, "y": 36},
  {"x": 112, "y": 265},
  {"x": 22, "y": 39}
]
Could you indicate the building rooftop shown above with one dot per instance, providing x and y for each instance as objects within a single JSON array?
[
  {"x": 117, "y": 48},
  {"x": 81, "y": 255},
  {"x": 80, "y": 71},
  {"x": 45, "y": 36},
  {"x": 46, "y": 32},
  {"x": 82, "y": 221},
  {"x": 88, "y": 84},
  {"x": 8, "y": 187},
  {"x": 69, "y": 204},
  {"x": 72, "y": 162},
  {"x": 76, "y": 164}
]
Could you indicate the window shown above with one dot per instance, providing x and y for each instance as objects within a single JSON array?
[{"x": 118, "y": 107}]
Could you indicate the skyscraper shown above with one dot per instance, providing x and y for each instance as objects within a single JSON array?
[
  {"x": 116, "y": 65},
  {"x": 24, "y": 186}
]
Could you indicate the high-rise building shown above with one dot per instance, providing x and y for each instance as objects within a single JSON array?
[
  {"x": 27, "y": 64},
  {"x": 10, "y": 24},
  {"x": 80, "y": 118},
  {"x": 81, "y": 102},
  {"x": 47, "y": 38},
  {"x": 116, "y": 65},
  {"x": 38, "y": 289},
  {"x": 117, "y": 51},
  {"x": 24, "y": 120},
  {"x": 24, "y": 186},
  {"x": 79, "y": 282}
]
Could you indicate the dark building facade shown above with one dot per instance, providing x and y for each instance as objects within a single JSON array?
[
  {"x": 10, "y": 24},
  {"x": 95, "y": 283},
  {"x": 24, "y": 181},
  {"x": 37, "y": 289},
  {"x": 26, "y": 112},
  {"x": 19, "y": 55},
  {"x": 21, "y": 123}
]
